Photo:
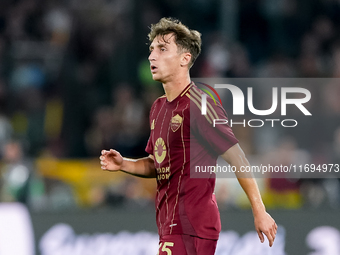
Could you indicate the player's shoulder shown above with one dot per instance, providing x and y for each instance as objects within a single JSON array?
[
  {"x": 195, "y": 89},
  {"x": 192, "y": 93},
  {"x": 203, "y": 106},
  {"x": 196, "y": 94}
]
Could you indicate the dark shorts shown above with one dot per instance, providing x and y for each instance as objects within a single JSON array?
[{"x": 186, "y": 245}]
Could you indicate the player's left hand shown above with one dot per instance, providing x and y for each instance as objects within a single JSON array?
[{"x": 265, "y": 224}]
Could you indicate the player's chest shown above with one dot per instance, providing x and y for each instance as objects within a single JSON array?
[{"x": 171, "y": 125}]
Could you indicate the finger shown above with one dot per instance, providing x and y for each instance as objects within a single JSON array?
[
  {"x": 274, "y": 229},
  {"x": 101, "y": 157},
  {"x": 104, "y": 152},
  {"x": 103, "y": 163},
  {"x": 273, "y": 234},
  {"x": 260, "y": 236},
  {"x": 270, "y": 238},
  {"x": 114, "y": 151}
]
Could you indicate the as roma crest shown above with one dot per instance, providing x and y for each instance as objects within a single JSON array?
[{"x": 176, "y": 122}]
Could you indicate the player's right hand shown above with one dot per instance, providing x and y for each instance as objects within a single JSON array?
[{"x": 111, "y": 160}]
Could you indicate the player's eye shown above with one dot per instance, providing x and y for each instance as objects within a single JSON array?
[{"x": 163, "y": 49}]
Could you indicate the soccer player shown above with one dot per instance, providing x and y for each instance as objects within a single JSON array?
[{"x": 186, "y": 211}]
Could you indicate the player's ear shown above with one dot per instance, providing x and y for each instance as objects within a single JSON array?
[{"x": 185, "y": 59}]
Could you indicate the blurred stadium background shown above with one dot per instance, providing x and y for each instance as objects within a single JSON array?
[{"x": 75, "y": 79}]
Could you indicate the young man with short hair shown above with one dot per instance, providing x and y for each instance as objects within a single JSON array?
[{"x": 186, "y": 211}]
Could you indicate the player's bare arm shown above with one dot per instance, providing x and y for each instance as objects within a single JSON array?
[
  {"x": 111, "y": 160},
  {"x": 264, "y": 223}
]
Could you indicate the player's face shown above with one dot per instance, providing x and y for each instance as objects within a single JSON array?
[{"x": 165, "y": 58}]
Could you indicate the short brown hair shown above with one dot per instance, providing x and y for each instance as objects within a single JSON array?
[{"x": 185, "y": 38}]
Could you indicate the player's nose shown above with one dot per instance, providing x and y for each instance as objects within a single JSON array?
[{"x": 152, "y": 56}]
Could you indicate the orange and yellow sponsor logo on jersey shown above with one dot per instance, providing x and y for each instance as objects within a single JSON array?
[{"x": 160, "y": 150}]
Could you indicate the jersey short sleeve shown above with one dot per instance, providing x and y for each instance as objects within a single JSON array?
[
  {"x": 149, "y": 147},
  {"x": 219, "y": 137}
]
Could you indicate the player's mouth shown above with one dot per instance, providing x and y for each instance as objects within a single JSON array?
[{"x": 153, "y": 68}]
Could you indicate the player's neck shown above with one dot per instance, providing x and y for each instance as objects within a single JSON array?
[{"x": 175, "y": 87}]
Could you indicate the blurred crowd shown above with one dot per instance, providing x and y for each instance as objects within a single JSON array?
[{"x": 75, "y": 79}]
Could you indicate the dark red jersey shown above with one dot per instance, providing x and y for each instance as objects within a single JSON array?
[{"x": 182, "y": 138}]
